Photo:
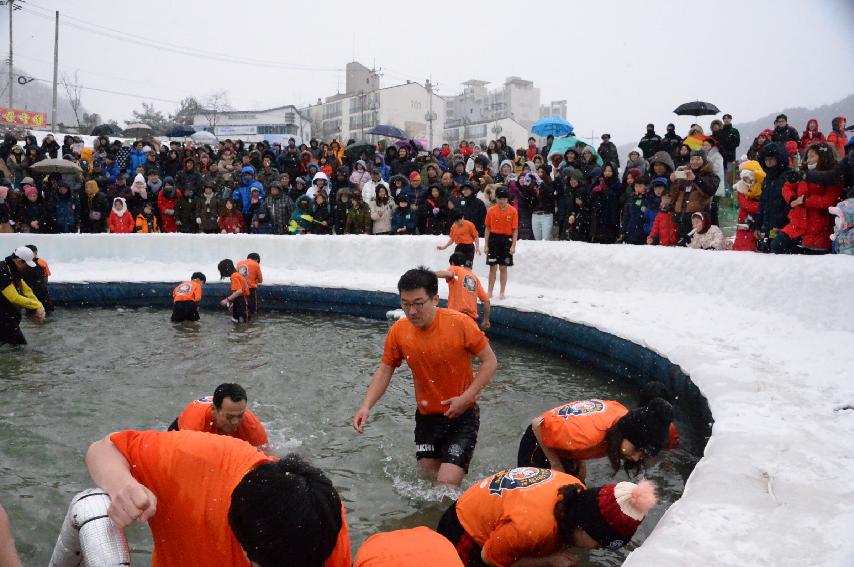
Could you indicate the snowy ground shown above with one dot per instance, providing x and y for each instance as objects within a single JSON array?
[{"x": 765, "y": 338}]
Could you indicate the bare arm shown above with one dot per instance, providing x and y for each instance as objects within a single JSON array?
[
  {"x": 130, "y": 500},
  {"x": 8, "y": 555},
  {"x": 551, "y": 454},
  {"x": 445, "y": 245},
  {"x": 458, "y": 405},
  {"x": 445, "y": 274},
  {"x": 487, "y": 310},
  {"x": 376, "y": 389}
]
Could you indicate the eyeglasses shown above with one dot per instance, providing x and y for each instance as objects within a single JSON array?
[{"x": 418, "y": 305}]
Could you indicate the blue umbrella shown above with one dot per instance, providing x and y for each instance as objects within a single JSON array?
[
  {"x": 560, "y": 145},
  {"x": 388, "y": 132},
  {"x": 552, "y": 126}
]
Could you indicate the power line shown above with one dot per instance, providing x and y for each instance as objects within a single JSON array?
[{"x": 143, "y": 97}]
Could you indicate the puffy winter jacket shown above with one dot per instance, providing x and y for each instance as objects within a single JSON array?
[
  {"x": 811, "y": 221},
  {"x": 243, "y": 193},
  {"x": 664, "y": 230},
  {"x": 745, "y": 240},
  {"x": 121, "y": 224},
  {"x": 773, "y": 210}
]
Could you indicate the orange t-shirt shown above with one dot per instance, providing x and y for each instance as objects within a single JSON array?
[
  {"x": 251, "y": 270},
  {"x": 439, "y": 356},
  {"x": 239, "y": 282},
  {"x": 193, "y": 474},
  {"x": 43, "y": 264},
  {"x": 198, "y": 416},
  {"x": 511, "y": 513},
  {"x": 502, "y": 221},
  {"x": 577, "y": 430},
  {"x": 464, "y": 290},
  {"x": 672, "y": 437},
  {"x": 465, "y": 233},
  {"x": 187, "y": 291},
  {"x": 418, "y": 547}
]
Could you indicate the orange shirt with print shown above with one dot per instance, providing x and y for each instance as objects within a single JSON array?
[
  {"x": 464, "y": 289},
  {"x": 417, "y": 547},
  {"x": 198, "y": 416},
  {"x": 502, "y": 221},
  {"x": 251, "y": 270},
  {"x": 577, "y": 429},
  {"x": 187, "y": 291},
  {"x": 465, "y": 233},
  {"x": 239, "y": 282},
  {"x": 192, "y": 475},
  {"x": 439, "y": 356},
  {"x": 511, "y": 513}
]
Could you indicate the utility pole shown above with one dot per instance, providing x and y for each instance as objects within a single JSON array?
[
  {"x": 53, "y": 120},
  {"x": 11, "y": 4},
  {"x": 430, "y": 116}
]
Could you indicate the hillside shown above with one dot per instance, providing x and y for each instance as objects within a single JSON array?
[{"x": 38, "y": 96}]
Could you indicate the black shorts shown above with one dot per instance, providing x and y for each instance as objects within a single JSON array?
[
  {"x": 466, "y": 250},
  {"x": 499, "y": 250},
  {"x": 185, "y": 311},
  {"x": 531, "y": 455},
  {"x": 449, "y": 440},
  {"x": 240, "y": 310},
  {"x": 252, "y": 300},
  {"x": 468, "y": 549}
]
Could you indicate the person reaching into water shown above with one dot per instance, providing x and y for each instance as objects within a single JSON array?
[
  {"x": 224, "y": 413},
  {"x": 250, "y": 268},
  {"x": 186, "y": 298},
  {"x": 8, "y": 554},
  {"x": 214, "y": 500},
  {"x": 16, "y": 294},
  {"x": 437, "y": 344},
  {"x": 464, "y": 289},
  {"x": 237, "y": 300},
  {"x": 537, "y": 517},
  {"x": 565, "y": 437},
  {"x": 416, "y": 547}
]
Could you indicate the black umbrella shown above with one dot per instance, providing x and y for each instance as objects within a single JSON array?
[
  {"x": 106, "y": 130},
  {"x": 388, "y": 132},
  {"x": 180, "y": 132},
  {"x": 696, "y": 108},
  {"x": 353, "y": 152}
]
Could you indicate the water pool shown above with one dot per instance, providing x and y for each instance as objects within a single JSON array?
[{"x": 88, "y": 372}]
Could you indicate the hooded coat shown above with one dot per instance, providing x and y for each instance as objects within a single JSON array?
[
  {"x": 640, "y": 164},
  {"x": 167, "y": 202},
  {"x": 186, "y": 212},
  {"x": 63, "y": 210},
  {"x": 773, "y": 210},
  {"x": 121, "y": 222},
  {"x": 838, "y": 138},
  {"x": 810, "y": 137},
  {"x": 811, "y": 221},
  {"x": 748, "y": 207},
  {"x": 605, "y": 199},
  {"x": 843, "y": 234},
  {"x": 243, "y": 193},
  {"x": 301, "y": 218},
  {"x": 94, "y": 209}
]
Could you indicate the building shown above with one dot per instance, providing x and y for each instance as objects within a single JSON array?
[
  {"x": 350, "y": 115},
  {"x": 554, "y": 108},
  {"x": 272, "y": 124},
  {"x": 517, "y": 99},
  {"x": 482, "y": 131}
]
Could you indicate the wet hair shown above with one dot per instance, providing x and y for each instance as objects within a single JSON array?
[
  {"x": 226, "y": 268},
  {"x": 199, "y": 276},
  {"x": 286, "y": 512},
  {"x": 457, "y": 259},
  {"x": 566, "y": 512},
  {"x": 419, "y": 278},
  {"x": 454, "y": 215},
  {"x": 228, "y": 390},
  {"x": 652, "y": 390},
  {"x": 614, "y": 440},
  {"x": 254, "y": 256}
]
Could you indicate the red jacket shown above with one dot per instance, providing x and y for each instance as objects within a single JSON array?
[
  {"x": 838, "y": 139},
  {"x": 745, "y": 240},
  {"x": 123, "y": 224},
  {"x": 167, "y": 222},
  {"x": 231, "y": 224},
  {"x": 808, "y": 138},
  {"x": 811, "y": 221},
  {"x": 664, "y": 228}
]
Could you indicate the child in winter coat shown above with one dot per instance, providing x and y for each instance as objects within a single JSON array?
[
  {"x": 120, "y": 221},
  {"x": 705, "y": 235},
  {"x": 302, "y": 216},
  {"x": 664, "y": 231},
  {"x": 146, "y": 221},
  {"x": 749, "y": 190},
  {"x": 230, "y": 219},
  {"x": 343, "y": 204},
  {"x": 322, "y": 218},
  {"x": 207, "y": 210},
  {"x": 360, "y": 175},
  {"x": 185, "y": 212},
  {"x": 633, "y": 214},
  {"x": 403, "y": 220},
  {"x": 167, "y": 201},
  {"x": 843, "y": 233},
  {"x": 359, "y": 218}
]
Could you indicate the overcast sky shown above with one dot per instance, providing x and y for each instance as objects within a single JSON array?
[{"x": 618, "y": 64}]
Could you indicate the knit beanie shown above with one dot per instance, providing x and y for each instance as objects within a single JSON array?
[
  {"x": 612, "y": 513},
  {"x": 647, "y": 427},
  {"x": 414, "y": 176},
  {"x": 699, "y": 152},
  {"x": 30, "y": 191}
]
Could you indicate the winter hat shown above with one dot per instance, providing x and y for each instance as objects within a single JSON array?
[
  {"x": 660, "y": 181},
  {"x": 502, "y": 193},
  {"x": 647, "y": 427},
  {"x": 414, "y": 176},
  {"x": 320, "y": 175},
  {"x": 30, "y": 191},
  {"x": 147, "y": 149},
  {"x": 612, "y": 513},
  {"x": 168, "y": 181},
  {"x": 27, "y": 181},
  {"x": 634, "y": 172},
  {"x": 791, "y": 148},
  {"x": 699, "y": 152}
]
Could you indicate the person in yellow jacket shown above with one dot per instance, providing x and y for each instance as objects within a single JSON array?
[{"x": 16, "y": 294}]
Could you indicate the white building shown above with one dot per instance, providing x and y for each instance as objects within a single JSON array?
[
  {"x": 272, "y": 124},
  {"x": 554, "y": 108},
  {"x": 517, "y": 99},
  {"x": 481, "y": 132},
  {"x": 352, "y": 114}
]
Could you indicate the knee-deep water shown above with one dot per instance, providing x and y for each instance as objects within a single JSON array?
[{"x": 88, "y": 372}]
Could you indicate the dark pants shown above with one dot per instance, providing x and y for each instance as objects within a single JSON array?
[
  {"x": 185, "y": 311},
  {"x": 10, "y": 332},
  {"x": 531, "y": 455},
  {"x": 252, "y": 301},
  {"x": 468, "y": 550},
  {"x": 782, "y": 244},
  {"x": 240, "y": 310},
  {"x": 173, "y": 426}
]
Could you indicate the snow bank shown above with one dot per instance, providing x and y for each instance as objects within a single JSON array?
[{"x": 767, "y": 339}]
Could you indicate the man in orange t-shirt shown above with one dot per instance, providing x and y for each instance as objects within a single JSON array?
[
  {"x": 223, "y": 414},
  {"x": 464, "y": 235},
  {"x": 501, "y": 229},
  {"x": 186, "y": 298},
  {"x": 215, "y": 500},
  {"x": 464, "y": 289},
  {"x": 418, "y": 547},
  {"x": 250, "y": 268},
  {"x": 437, "y": 344}
]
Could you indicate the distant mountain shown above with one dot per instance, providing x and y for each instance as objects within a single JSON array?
[
  {"x": 37, "y": 96},
  {"x": 798, "y": 118}
]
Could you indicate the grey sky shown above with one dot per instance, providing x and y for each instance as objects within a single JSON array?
[{"x": 618, "y": 64}]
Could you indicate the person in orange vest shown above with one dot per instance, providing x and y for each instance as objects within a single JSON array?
[
  {"x": 464, "y": 235},
  {"x": 566, "y": 436},
  {"x": 501, "y": 233},
  {"x": 532, "y": 516},
  {"x": 250, "y": 268},
  {"x": 236, "y": 300},
  {"x": 215, "y": 500},
  {"x": 464, "y": 289},
  {"x": 417, "y": 547},
  {"x": 224, "y": 413},
  {"x": 186, "y": 298}
]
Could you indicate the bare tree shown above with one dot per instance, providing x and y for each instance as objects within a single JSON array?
[
  {"x": 74, "y": 91},
  {"x": 215, "y": 104}
]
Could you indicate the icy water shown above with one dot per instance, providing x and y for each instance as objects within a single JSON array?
[{"x": 88, "y": 372}]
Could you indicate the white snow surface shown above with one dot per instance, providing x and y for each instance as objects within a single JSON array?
[{"x": 765, "y": 338}]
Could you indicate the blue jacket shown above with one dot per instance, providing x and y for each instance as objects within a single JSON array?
[
  {"x": 137, "y": 158},
  {"x": 243, "y": 194},
  {"x": 404, "y": 218},
  {"x": 633, "y": 221},
  {"x": 385, "y": 171}
]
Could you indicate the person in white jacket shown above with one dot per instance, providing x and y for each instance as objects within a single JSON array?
[
  {"x": 369, "y": 189},
  {"x": 381, "y": 210},
  {"x": 715, "y": 158}
]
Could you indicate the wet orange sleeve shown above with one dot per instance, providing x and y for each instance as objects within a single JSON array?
[
  {"x": 341, "y": 555},
  {"x": 252, "y": 430},
  {"x": 672, "y": 438},
  {"x": 392, "y": 355},
  {"x": 505, "y": 546},
  {"x": 195, "y": 417}
]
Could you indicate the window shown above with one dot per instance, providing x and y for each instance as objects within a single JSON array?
[
  {"x": 332, "y": 110},
  {"x": 290, "y": 117}
]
